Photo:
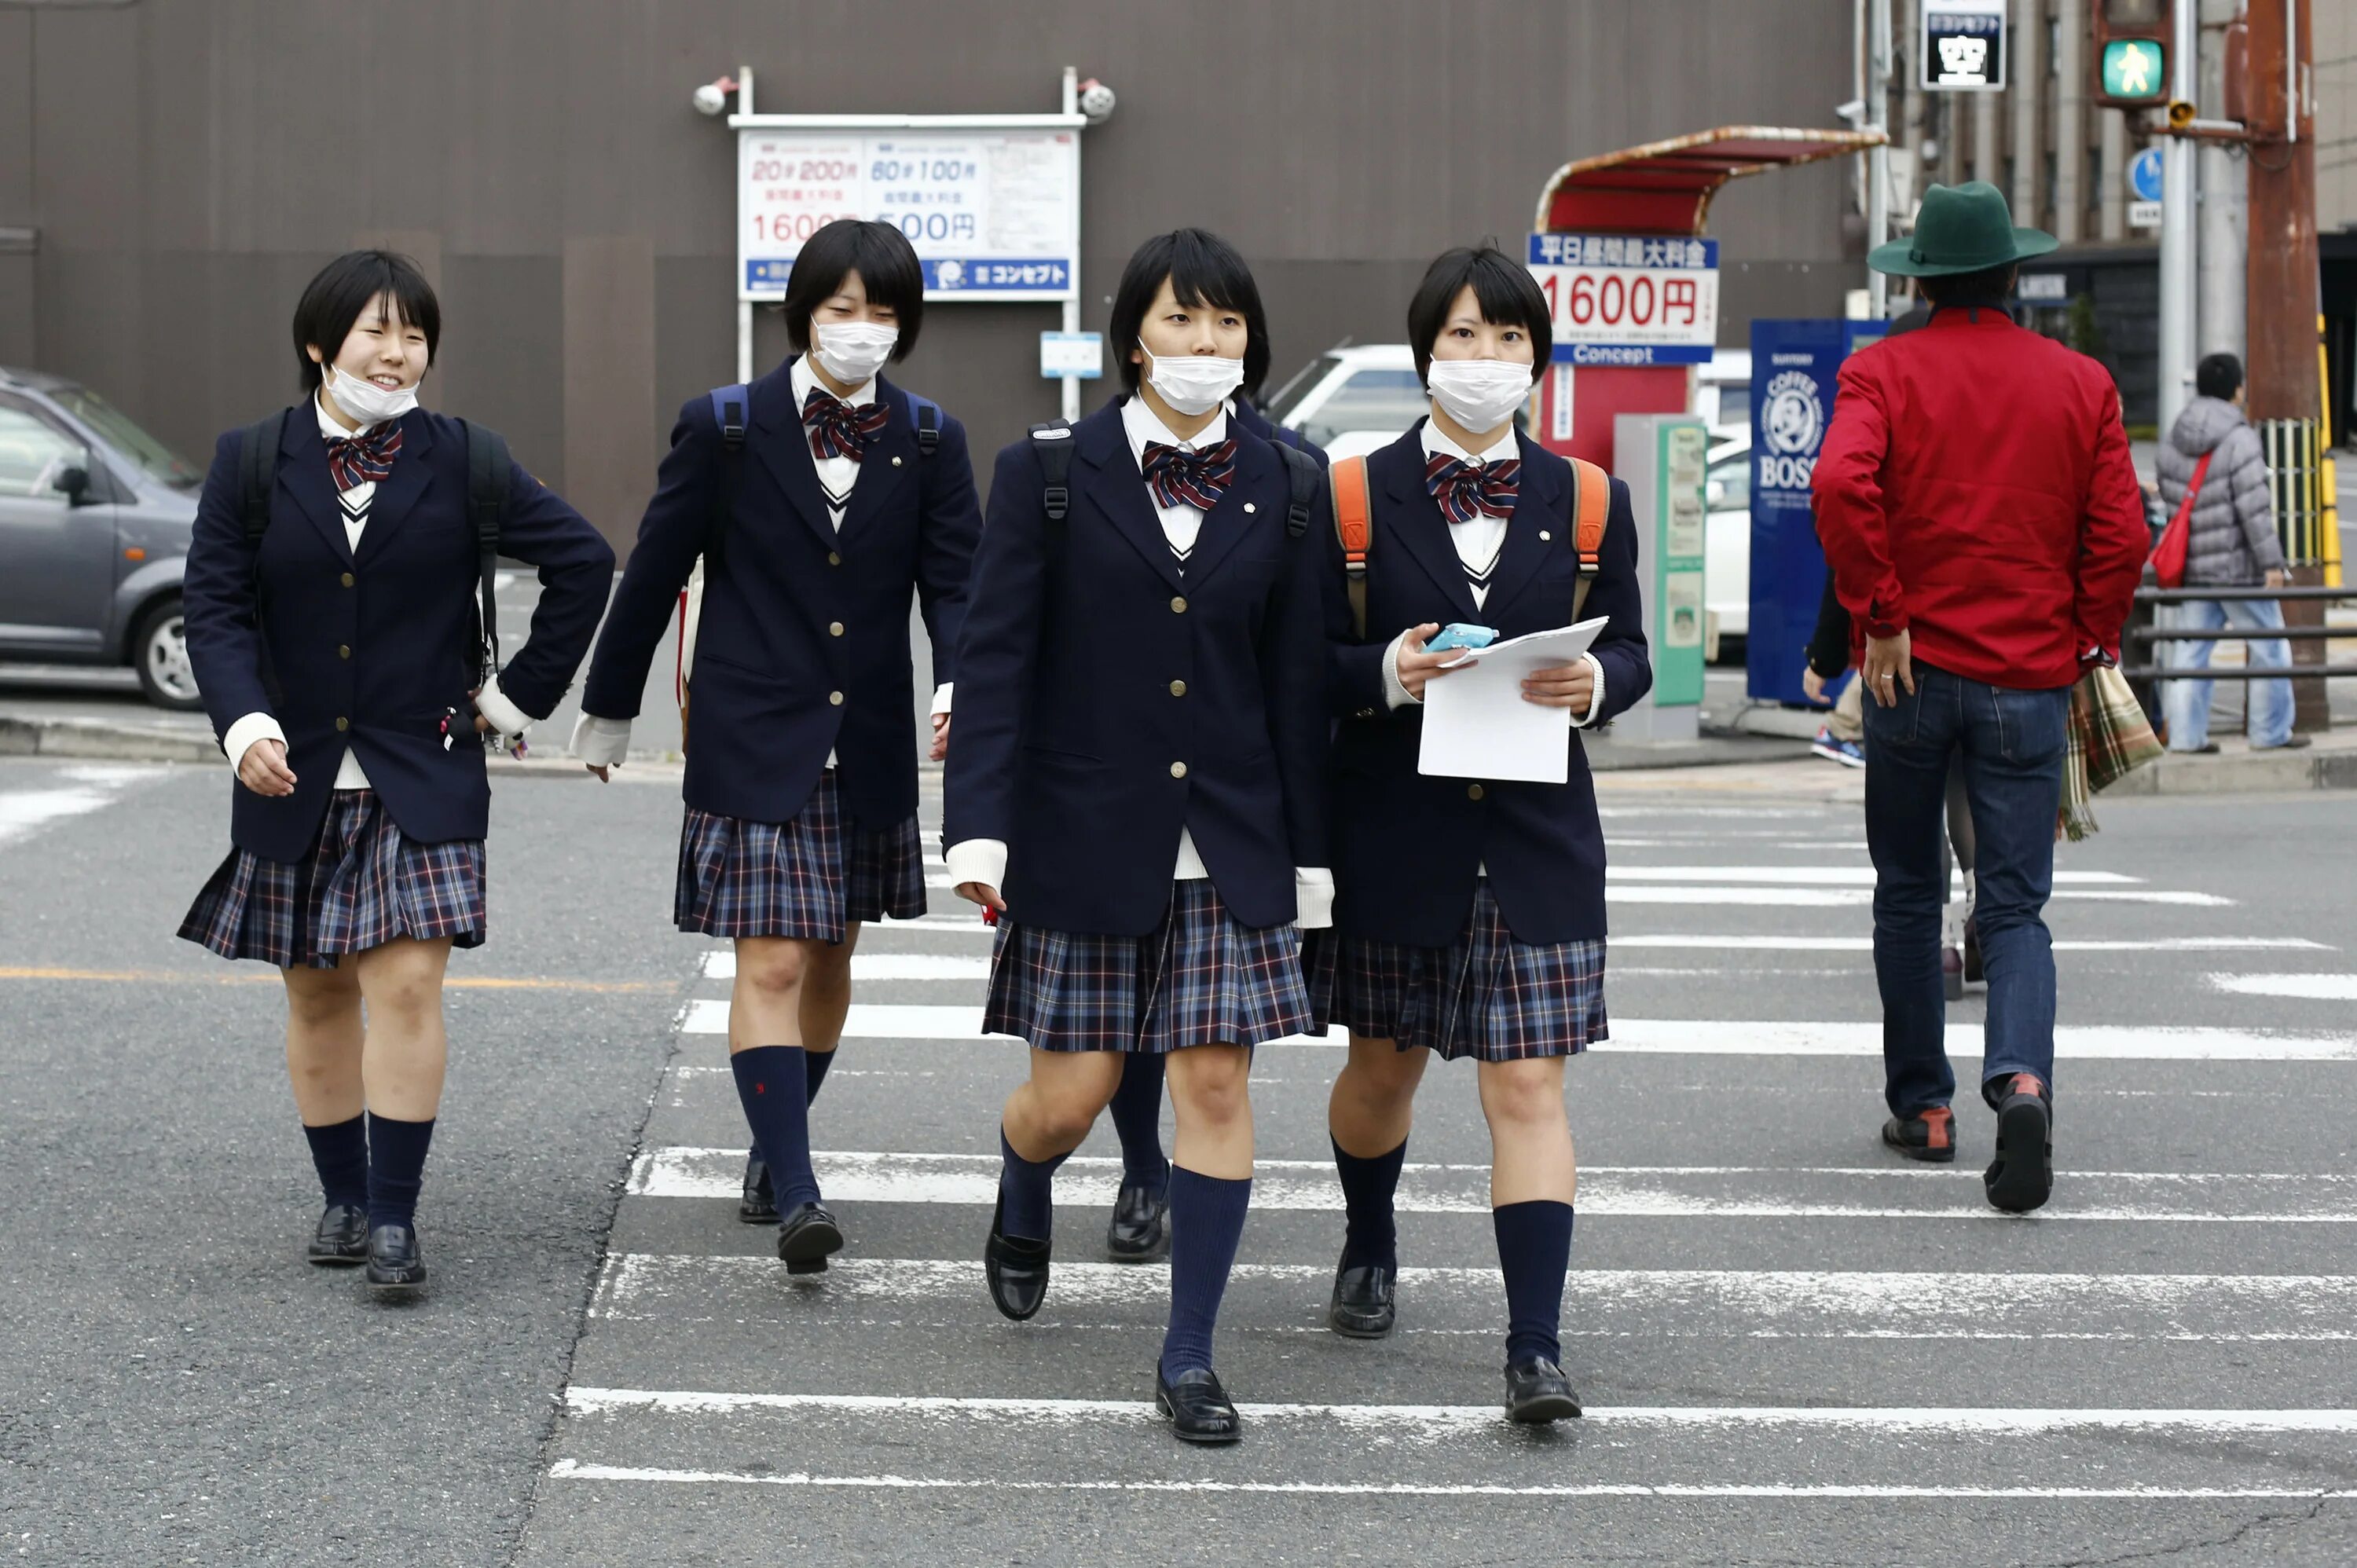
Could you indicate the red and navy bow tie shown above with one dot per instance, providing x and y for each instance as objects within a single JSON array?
[
  {"x": 1179, "y": 477},
  {"x": 365, "y": 458},
  {"x": 1468, "y": 489},
  {"x": 839, "y": 430}
]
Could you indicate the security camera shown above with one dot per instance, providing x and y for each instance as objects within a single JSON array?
[
  {"x": 713, "y": 96},
  {"x": 1853, "y": 111},
  {"x": 1096, "y": 101}
]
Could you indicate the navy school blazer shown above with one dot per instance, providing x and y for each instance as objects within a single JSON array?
[
  {"x": 1407, "y": 848},
  {"x": 802, "y": 644},
  {"x": 370, "y": 649},
  {"x": 1105, "y": 700}
]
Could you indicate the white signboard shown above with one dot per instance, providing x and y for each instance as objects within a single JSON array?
[
  {"x": 1634, "y": 299},
  {"x": 1963, "y": 46},
  {"x": 993, "y": 214},
  {"x": 2144, "y": 214},
  {"x": 1078, "y": 354}
]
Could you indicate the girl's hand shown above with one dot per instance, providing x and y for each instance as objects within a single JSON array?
[
  {"x": 263, "y": 770},
  {"x": 1569, "y": 686},
  {"x": 940, "y": 736},
  {"x": 983, "y": 894},
  {"x": 1415, "y": 665}
]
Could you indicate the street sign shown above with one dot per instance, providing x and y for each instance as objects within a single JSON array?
[
  {"x": 2145, "y": 175},
  {"x": 1634, "y": 299},
  {"x": 1078, "y": 354},
  {"x": 1962, "y": 46},
  {"x": 2144, "y": 214},
  {"x": 2043, "y": 287},
  {"x": 2135, "y": 70},
  {"x": 994, "y": 213}
]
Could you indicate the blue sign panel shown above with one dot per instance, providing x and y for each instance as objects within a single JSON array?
[
  {"x": 1629, "y": 299},
  {"x": 1792, "y": 368},
  {"x": 2145, "y": 175}
]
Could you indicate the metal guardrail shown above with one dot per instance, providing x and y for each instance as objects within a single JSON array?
[{"x": 2148, "y": 636}]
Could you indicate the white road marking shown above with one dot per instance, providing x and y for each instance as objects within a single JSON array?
[
  {"x": 1816, "y": 875},
  {"x": 721, "y": 964},
  {"x": 2305, "y": 987},
  {"x": 23, "y": 812}
]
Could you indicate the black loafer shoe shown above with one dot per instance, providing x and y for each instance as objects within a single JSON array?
[
  {"x": 759, "y": 1206},
  {"x": 1198, "y": 1408},
  {"x": 805, "y": 1236},
  {"x": 2021, "y": 1178},
  {"x": 1929, "y": 1135},
  {"x": 342, "y": 1239},
  {"x": 394, "y": 1262},
  {"x": 1362, "y": 1307},
  {"x": 1016, "y": 1267},
  {"x": 1537, "y": 1392},
  {"x": 1140, "y": 1232}
]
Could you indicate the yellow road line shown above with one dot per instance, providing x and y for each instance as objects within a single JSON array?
[{"x": 476, "y": 982}]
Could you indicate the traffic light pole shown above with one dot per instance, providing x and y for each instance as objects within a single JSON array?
[
  {"x": 2179, "y": 250},
  {"x": 1878, "y": 162}
]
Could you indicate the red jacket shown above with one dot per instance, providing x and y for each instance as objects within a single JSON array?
[{"x": 1975, "y": 490}]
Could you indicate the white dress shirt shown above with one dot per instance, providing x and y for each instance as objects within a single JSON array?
[{"x": 505, "y": 717}]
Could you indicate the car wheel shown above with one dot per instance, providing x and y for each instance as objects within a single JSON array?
[{"x": 160, "y": 651}]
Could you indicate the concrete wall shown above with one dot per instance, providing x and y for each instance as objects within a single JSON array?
[{"x": 189, "y": 162}]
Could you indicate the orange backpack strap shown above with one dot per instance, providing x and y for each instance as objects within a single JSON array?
[
  {"x": 1591, "y": 508},
  {"x": 1355, "y": 529}
]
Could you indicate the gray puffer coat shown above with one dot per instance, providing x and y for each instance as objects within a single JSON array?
[{"x": 2233, "y": 542}]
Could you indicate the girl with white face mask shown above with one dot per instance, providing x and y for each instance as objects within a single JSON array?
[
  {"x": 331, "y": 602},
  {"x": 818, "y": 500},
  {"x": 1138, "y": 789},
  {"x": 1470, "y": 913}
]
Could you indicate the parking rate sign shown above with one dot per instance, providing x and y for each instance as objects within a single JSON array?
[
  {"x": 1964, "y": 46},
  {"x": 1629, "y": 299}
]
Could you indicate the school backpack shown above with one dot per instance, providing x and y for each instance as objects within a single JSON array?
[
  {"x": 487, "y": 478},
  {"x": 729, "y": 409},
  {"x": 1354, "y": 527},
  {"x": 1052, "y": 444}
]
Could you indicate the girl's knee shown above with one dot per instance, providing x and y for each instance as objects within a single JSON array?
[
  {"x": 1524, "y": 1094},
  {"x": 773, "y": 966},
  {"x": 1212, "y": 1083}
]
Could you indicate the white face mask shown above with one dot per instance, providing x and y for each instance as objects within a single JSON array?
[
  {"x": 366, "y": 402},
  {"x": 853, "y": 351},
  {"x": 1479, "y": 394},
  {"x": 1192, "y": 383}
]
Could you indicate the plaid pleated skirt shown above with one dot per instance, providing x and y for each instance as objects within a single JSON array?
[
  {"x": 1484, "y": 995},
  {"x": 1200, "y": 978},
  {"x": 362, "y": 885},
  {"x": 806, "y": 878}
]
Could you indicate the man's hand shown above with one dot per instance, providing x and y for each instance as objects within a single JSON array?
[
  {"x": 1417, "y": 666},
  {"x": 263, "y": 770},
  {"x": 941, "y": 737},
  {"x": 983, "y": 894},
  {"x": 2279, "y": 578},
  {"x": 1813, "y": 685},
  {"x": 1569, "y": 686},
  {"x": 1889, "y": 664}
]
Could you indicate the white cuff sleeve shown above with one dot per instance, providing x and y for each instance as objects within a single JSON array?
[
  {"x": 1596, "y": 697},
  {"x": 942, "y": 697},
  {"x": 1396, "y": 694},
  {"x": 245, "y": 732},
  {"x": 601, "y": 743},
  {"x": 505, "y": 717},
  {"x": 1313, "y": 893},
  {"x": 979, "y": 860}
]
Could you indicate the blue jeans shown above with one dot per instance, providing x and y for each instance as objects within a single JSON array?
[
  {"x": 2268, "y": 708},
  {"x": 2008, "y": 745}
]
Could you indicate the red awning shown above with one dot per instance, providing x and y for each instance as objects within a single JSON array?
[{"x": 1664, "y": 187}]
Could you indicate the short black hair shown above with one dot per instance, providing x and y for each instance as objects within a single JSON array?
[
  {"x": 1991, "y": 288},
  {"x": 332, "y": 303},
  {"x": 1503, "y": 287},
  {"x": 887, "y": 268},
  {"x": 1203, "y": 269},
  {"x": 2219, "y": 376}
]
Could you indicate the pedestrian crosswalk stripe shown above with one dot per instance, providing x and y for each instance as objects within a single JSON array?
[{"x": 2303, "y": 987}]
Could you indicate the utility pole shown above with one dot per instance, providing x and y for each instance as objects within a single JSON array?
[
  {"x": 2178, "y": 253},
  {"x": 2219, "y": 165},
  {"x": 1878, "y": 161},
  {"x": 2025, "y": 85}
]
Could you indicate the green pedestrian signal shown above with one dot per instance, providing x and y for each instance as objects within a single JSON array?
[{"x": 2135, "y": 70}]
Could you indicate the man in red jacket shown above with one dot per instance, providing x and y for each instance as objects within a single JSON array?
[{"x": 1985, "y": 530}]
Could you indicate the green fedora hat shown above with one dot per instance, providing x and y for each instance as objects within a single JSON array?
[{"x": 1960, "y": 229}]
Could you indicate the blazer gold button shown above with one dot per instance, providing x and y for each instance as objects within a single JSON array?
[
  {"x": 343, "y": 724},
  {"x": 344, "y": 650},
  {"x": 1178, "y": 688},
  {"x": 835, "y": 628},
  {"x": 835, "y": 698},
  {"x": 348, "y": 579},
  {"x": 1177, "y": 605},
  {"x": 1177, "y": 770},
  {"x": 832, "y": 560},
  {"x": 896, "y": 462},
  {"x": 1473, "y": 791}
]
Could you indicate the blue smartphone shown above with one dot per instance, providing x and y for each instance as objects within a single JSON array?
[{"x": 1458, "y": 634}]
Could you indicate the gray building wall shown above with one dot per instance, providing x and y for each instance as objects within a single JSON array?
[{"x": 188, "y": 164}]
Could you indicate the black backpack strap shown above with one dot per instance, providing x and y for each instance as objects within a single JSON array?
[
  {"x": 1302, "y": 474},
  {"x": 926, "y": 415},
  {"x": 731, "y": 406},
  {"x": 732, "y": 411},
  {"x": 489, "y": 472},
  {"x": 1053, "y": 444},
  {"x": 257, "y": 473}
]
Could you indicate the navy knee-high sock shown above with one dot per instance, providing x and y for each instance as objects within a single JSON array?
[
  {"x": 1207, "y": 1220},
  {"x": 1371, "y": 1235},
  {"x": 1136, "y": 1110},
  {"x": 1535, "y": 1252},
  {"x": 1026, "y": 1192},
  {"x": 772, "y": 1084},
  {"x": 814, "y": 1066},
  {"x": 396, "y": 1169},
  {"x": 339, "y": 1154}
]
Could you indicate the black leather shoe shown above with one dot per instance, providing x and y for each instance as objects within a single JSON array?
[
  {"x": 394, "y": 1262},
  {"x": 1198, "y": 1408},
  {"x": 1929, "y": 1135},
  {"x": 759, "y": 1206},
  {"x": 805, "y": 1236},
  {"x": 1537, "y": 1392},
  {"x": 1016, "y": 1267},
  {"x": 1140, "y": 1232},
  {"x": 1362, "y": 1307},
  {"x": 342, "y": 1239},
  {"x": 2021, "y": 1178}
]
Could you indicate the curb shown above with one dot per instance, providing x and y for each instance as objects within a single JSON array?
[
  {"x": 2243, "y": 773},
  {"x": 82, "y": 739}
]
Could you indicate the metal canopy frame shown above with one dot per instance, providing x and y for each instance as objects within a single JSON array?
[{"x": 1665, "y": 187}]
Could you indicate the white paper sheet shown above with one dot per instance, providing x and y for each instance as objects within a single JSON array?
[{"x": 1477, "y": 723}]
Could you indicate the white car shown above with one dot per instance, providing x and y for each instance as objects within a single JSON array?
[
  {"x": 1727, "y": 541},
  {"x": 1353, "y": 399}
]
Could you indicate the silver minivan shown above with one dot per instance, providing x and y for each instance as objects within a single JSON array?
[{"x": 95, "y": 516}]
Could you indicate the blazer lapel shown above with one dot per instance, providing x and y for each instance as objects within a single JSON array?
[
  {"x": 1226, "y": 524},
  {"x": 777, "y": 434},
  {"x": 1416, "y": 522},
  {"x": 303, "y": 472},
  {"x": 411, "y": 478},
  {"x": 885, "y": 465},
  {"x": 1538, "y": 510},
  {"x": 1113, "y": 484}
]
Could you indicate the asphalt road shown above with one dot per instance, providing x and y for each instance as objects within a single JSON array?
[{"x": 1793, "y": 1349}]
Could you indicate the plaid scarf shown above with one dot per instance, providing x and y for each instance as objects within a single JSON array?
[
  {"x": 1466, "y": 490},
  {"x": 837, "y": 429},
  {"x": 366, "y": 458},
  {"x": 1197, "y": 479},
  {"x": 2109, "y": 738}
]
